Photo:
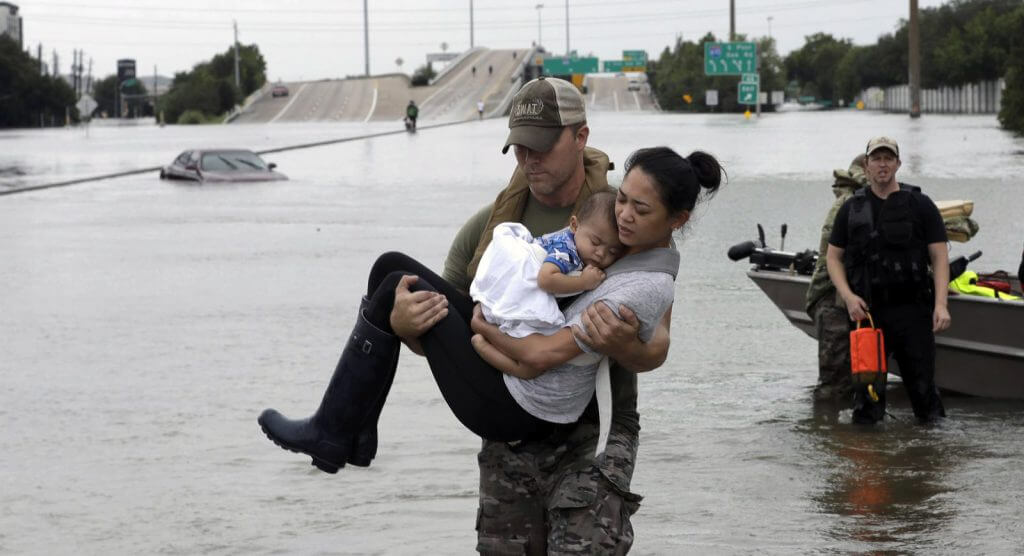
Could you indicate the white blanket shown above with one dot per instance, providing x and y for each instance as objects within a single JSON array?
[{"x": 506, "y": 284}]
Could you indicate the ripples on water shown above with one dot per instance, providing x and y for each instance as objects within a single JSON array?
[{"x": 145, "y": 324}]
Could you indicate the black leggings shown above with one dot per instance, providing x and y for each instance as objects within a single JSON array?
[{"x": 474, "y": 390}]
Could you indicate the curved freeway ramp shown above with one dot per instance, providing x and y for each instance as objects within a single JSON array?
[
  {"x": 375, "y": 98},
  {"x": 453, "y": 97},
  {"x": 495, "y": 79}
]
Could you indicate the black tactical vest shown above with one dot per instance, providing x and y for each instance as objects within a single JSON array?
[{"x": 891, "y": 256}]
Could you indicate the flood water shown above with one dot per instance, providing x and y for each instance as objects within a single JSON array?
[{"x": 145, "y": 324}]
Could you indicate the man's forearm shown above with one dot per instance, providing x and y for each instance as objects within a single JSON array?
[
  {"x": 940, "y": 272},
  {"x": 642, "y": 357}
]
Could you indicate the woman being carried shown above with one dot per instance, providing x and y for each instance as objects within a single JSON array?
[{"x": 548, "y": 382}]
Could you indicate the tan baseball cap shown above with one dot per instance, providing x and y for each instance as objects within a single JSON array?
[
  {"x": 883, "y": 143},
  {"x": 539, "y": 112}
]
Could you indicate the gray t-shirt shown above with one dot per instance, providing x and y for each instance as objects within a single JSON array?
[{"x": 561, "y": 394}]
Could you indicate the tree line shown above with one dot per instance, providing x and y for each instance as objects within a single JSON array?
[
  {"x": 208, "y": 92},
  {"x": 965, "y": 41},
  {"x": 27, "y": 96}
]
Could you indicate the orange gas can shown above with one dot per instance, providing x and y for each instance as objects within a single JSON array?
[{"x": 867, "y": 353}]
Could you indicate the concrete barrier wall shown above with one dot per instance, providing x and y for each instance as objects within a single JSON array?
[{"x": 976, "y": 98}]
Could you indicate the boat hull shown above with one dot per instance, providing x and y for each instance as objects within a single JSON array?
[{"x": 981, "y": 354}]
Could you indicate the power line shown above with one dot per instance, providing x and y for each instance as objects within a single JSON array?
[{"x": 785, "y": 6}]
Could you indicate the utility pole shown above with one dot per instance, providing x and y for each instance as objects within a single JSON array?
[
  {"x": 539, "y": 42},
  {"x": 238, "y": 82},
  {"x": 39, "y": 57},
  {"x": 366, "y": 39},
  {"x": 88, "y": 81},
  {"x": 915, "y": 62},
  {"x": 471, "y": 23},
  {"x": 74, "y": 71},
  {"x": 79, "y": 70},
  {"x": 732, "y": 20},
  {"x": 56, "y": 72},
  {"x": 567, "y": 51}
]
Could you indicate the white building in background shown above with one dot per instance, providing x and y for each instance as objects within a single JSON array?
[{"x": 10, "y": 22}]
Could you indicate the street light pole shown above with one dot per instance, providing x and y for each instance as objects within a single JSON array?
[
  {"x": 539, "y": 6},
  {"x": 471, "y": 23},
  {"x": 366, "y": 39},
  {"x": 567, "y": 51},
  {"x": 732, "y": 20},
  {"x": 914, "y": 58},
  {"x": 237, "y": 80},
  {"x": 770, "y": 18}
]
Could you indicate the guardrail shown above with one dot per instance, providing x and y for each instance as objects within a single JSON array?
[{"x": 240, "y": 109}]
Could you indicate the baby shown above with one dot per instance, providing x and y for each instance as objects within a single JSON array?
[{"x": 519, "y": 277}]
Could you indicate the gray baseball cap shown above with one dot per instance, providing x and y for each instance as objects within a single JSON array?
[
  {"x": 883, "y": 143},
  {"x": 539, "y": 112}
]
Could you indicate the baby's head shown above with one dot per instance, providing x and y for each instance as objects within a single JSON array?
[{"x": 597, "y": 236}]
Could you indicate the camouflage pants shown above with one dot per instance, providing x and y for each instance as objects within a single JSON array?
[
  {"x": 832, "y": 325},
  {"x": 553, "y": 498}
]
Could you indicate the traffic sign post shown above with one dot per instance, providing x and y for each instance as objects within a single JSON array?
[
  {"x": 748, "y": 93},
  {"x": 730, "y": 58}
]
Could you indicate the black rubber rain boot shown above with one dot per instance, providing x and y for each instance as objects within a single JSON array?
[
  {"x": 364, "y": 446},
  {"x": 361, "y": 378}
]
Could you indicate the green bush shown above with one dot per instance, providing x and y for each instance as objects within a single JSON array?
[
  {"x": 423, "y": 74},
  {"x": 192, "y": 117}
]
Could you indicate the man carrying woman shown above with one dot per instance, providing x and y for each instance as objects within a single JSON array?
[{"x": 407, "y": 302}]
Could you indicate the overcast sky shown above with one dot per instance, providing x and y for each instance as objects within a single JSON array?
[{"x": 315, "y": 39}]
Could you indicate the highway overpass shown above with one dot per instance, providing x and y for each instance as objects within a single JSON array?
[{"x": 481, "y": 74}]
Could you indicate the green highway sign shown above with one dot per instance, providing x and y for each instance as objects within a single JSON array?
[
  {"x": 559, "y": 65},
  {"x": 612, "y": 66},
  {"x": 747, "y": 93},
  {"x": 636, "y": 57},
  {"x": 730, "y": 58},
  {"x": 750, "y": 78}
]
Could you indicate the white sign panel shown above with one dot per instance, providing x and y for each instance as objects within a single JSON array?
[
  {"x": 711, "y": 97},
  {"x": 85, "y": 106}
]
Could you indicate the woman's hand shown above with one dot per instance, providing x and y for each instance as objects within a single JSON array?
[
  {"x": 606, "y": 332},
  {"x": 413, "y": 313}
]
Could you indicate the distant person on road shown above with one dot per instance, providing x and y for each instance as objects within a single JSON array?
[
  {"x": 827, "y": 309},
  {"x": 474, "y": 71},
  {"x": 480, "y": 109},
  {"x": 884, "y": 240},
  {"x": 411, "y": 113},
  {"x": 490, "y": 70}
]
